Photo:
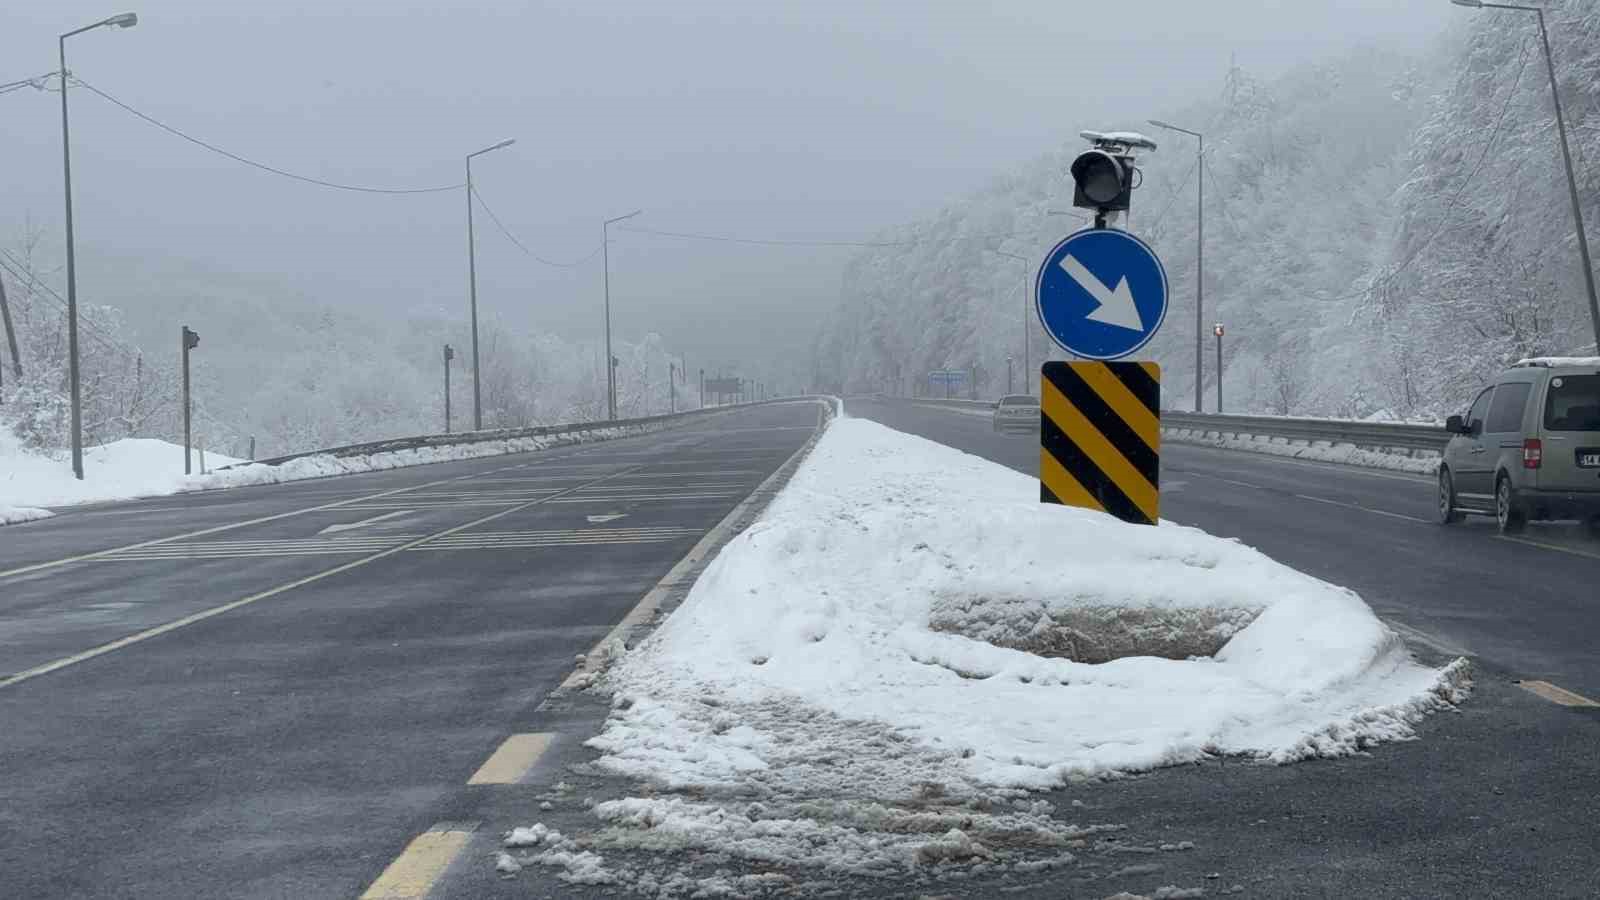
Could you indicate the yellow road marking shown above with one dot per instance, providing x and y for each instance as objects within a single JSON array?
[
  {"x": 1063, "y": 485},
  {"x": 1556, "y": 547},
  {"x": 1101, "y": 452},
  {"x": 512, "y": 762},
  {"x": 1557, "y": 694},
  {"x": 148, "y": 633},
  {"x": 413, "y": 873},
  {"x": 1122, "y": 402}
]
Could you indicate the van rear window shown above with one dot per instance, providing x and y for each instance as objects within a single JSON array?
[{"x": 1573, "y": 403}]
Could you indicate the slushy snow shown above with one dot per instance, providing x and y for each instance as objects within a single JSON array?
[{"x": 873, "y": 677}]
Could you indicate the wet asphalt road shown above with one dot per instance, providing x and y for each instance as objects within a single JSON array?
[{"x": 319, "y": 696}]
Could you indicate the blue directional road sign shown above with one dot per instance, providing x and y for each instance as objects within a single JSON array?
[{"x": 1101, "y": 293}]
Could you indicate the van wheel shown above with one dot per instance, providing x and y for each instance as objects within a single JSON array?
[
  {"x": 1448, "y": 513},
  {"x": 1507, "y": 512}
]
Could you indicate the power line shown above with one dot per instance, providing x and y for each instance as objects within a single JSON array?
[
  {"x": 32, "y": 281},
  {"x": 1494, "y": 136},
  {"x": 768, "y": 242},
  {"x": 38, "y": 82},
  {"x": 765, "y": 241},
  {"x": 1175, "y": 192},
  {"x": 523, "y": 247},
  {"x": 252, "y": 163}
]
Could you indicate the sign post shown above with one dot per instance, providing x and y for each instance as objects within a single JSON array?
[
  {"x": 1101, "y": 295},
  {"x": 1218, "y": 330}
]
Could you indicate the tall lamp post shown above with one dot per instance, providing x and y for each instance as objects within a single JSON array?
[
  {"x": 1199, "y": 256},
  {"x": 125, "y": 20},
  {"x": 1027, "y": 377},
  {"x": 605, "y": 257},
  {"x": 472, "y": 286},
  {"x": 1566, "y": 156}
]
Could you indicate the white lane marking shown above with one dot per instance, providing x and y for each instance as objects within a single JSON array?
[
  {"x": 202, "y": 615},
  {"x": 348, "y": 526},
  {"x": 1365, "y": 509},
  {"x": 1541, "y": 544},
  {"x": 606, "y": 517},
  {"x": 340, "y": 504}
]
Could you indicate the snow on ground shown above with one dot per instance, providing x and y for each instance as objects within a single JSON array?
[
  {"x": 133, "y": 467},
  {"x": 873, "y": 676},
  {"x": 10, "y": 515},
  {"x": 1321, "y": 451},
  {"x": 144, "y": 467}
]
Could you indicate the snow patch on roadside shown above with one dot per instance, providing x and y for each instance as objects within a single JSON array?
[
  {"x": 1322, "y": 452},
  {"x": 120, "y": 470},
  {"x": 145, "y": 467},
  {"x": 11, "y": 515}
]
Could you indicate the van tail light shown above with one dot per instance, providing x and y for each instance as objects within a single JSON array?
[{"x": 1532, "y": 453}]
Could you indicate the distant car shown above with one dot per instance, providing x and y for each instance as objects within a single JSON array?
[
  {"x": 1528, "y": 447},
  {"x": 1016, "y": 412}
]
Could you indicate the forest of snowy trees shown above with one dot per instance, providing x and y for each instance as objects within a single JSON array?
[
  {"x": 292, "y": 373},
  {"x": 1383, "y": 233}
]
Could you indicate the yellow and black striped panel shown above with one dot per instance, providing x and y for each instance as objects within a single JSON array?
[{"x": 1100, "y": 437}]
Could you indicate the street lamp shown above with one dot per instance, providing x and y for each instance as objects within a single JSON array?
[
  {"x": 125, "y": 20},
  {"x": 1027, "y": 378},
  {"x": 605, "y": 256},
  {"x": 1566, "y": 156},
  {"x": 472, "y": 282},
  {"x": 1200, "y": 259}
]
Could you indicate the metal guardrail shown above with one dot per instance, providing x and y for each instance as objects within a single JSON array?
[
  {"x": 1386, "y": 435},
  {"x": 503, "y": 434},
  {"x": 1381, "y": 435}
]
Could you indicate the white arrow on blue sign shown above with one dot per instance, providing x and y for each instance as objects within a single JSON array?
[{"x": 1101, "y": 293}]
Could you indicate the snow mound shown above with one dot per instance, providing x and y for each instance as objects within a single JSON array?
[
  {"x": 120, "y": 470},
  {"x": 901, "y": 595},
  {"x": 145, "y": 467},
  {"x": 10, "y": 515}
]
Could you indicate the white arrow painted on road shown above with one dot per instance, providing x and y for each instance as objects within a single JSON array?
[
  {"x": 1116, "y": 307},
  {"x": 608, "y": 517},
  {"x": 335, "y": 529}
]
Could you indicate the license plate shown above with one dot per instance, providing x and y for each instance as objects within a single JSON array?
[{"x": 1589, "y": 460}]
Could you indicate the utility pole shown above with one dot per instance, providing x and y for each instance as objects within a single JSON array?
[
  {"x": 472, "y": 282},
  {"x": 125, "y": 20},
  {"x": 702, "y": 388},
  {"x": 190, "y": 341},
  {"x": 672, "y": 387},
  {"x": 1566, "y": 158},
  {"x": 11, "y": 334},
  {"x": 1008, "y": 374},
  {"x": 1218, "y": 331},
  {"x": 1199, "y": 258},
  {"x": 449, "y": 354},
  {"x": 605, "y": 265}
]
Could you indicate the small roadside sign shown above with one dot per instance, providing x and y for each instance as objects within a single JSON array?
[
  {"x": 1101, "y": 293},
  {"x": 1100, "y": 437}
]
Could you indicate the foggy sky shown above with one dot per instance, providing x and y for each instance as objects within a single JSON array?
[{"x": 791, "y": 120}]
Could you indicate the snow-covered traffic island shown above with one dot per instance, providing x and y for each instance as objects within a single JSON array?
[{"x": 880, "y": 674}]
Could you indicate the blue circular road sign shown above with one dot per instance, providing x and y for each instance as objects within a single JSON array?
[{"x": 1101, "y": 293}]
